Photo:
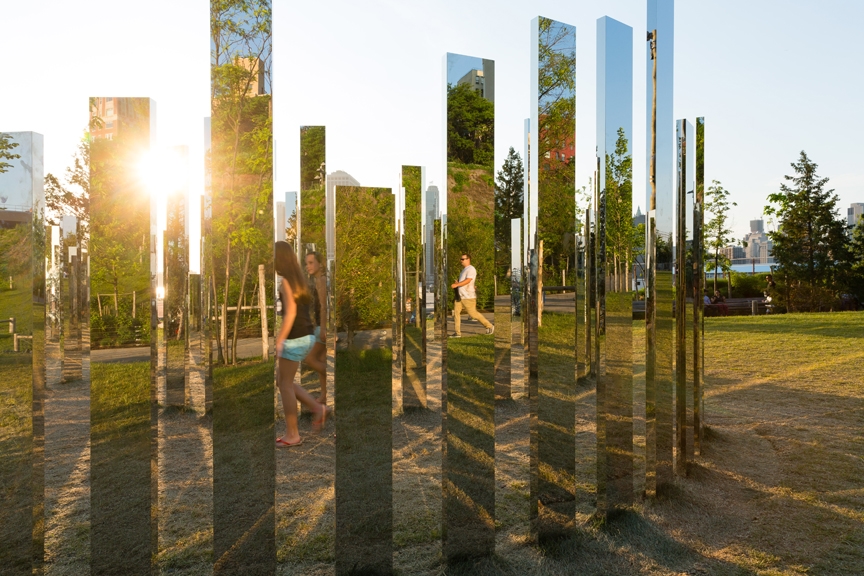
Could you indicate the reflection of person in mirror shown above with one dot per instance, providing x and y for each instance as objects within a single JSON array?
[
  {"x": 294, "y": 343},
  {"x": 318, "y": 281},
  {"x": 467, "y": 297}
]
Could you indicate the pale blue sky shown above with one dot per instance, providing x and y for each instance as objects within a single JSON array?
[{"x": 771, "y": 77}]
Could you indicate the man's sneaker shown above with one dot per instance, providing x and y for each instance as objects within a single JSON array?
[
  {"x": 455, "y": 336},
  {"x": 490, "y": 330}
]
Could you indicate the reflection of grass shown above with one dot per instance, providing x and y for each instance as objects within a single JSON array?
[
  {"x": 15, "y": 464},
  {"x": 556, "y": 407},
  {"x": 364, "y": 471},
  {"x": 469, "y": 475},
  {"x": 243, "y": 467},
  {"x": 120, "y": 466},
  {"x": 414, "y": 382},
  {"x": 18, "y": 304}
]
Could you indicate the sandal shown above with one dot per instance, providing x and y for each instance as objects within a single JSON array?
[
  {"x": 281, "y": 442},
  {"x": 322, "y": 419}
]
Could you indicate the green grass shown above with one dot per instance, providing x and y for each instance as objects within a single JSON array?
[
  {"x": 243, "y": 464},
  {"x": 364, "y": 451},
  {"x": 120, "y": 473}
]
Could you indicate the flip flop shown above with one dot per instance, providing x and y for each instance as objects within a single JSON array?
[
  {"x": 281, "y": 442},
  {"x": 319, "y": 423}
]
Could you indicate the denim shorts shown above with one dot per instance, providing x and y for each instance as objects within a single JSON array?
[
  {"x": 297, "y": 349},
  {"x": 318, "y": 334}
]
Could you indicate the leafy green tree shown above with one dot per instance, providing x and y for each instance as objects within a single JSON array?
[
  {"x": 6, "y": 145},
  {"x": 620, "y": 232},
  {"x": 413, "y": 232},
  {"x": 716, "y": 232},
  {"x": 509, "y": 204},
  {"x": 856, "y": 260},
  {"x": 810, "y": 242},
  {"x": 72, "y": 196},
  {"x": 241, "y": 159},
  {"x": 470, "y": 126},
  {"x": 363, "y": 280}
]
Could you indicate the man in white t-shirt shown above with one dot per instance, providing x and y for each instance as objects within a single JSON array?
[{"x": 467, "y": 297}]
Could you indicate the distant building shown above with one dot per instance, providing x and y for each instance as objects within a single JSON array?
[
  {"x": 854, "y": 213},
  {"x": 639, "y": 217},
  {"x": 759, "y": 245},
  {"x": 482, "y": 81},
  {"x": 22, "y": 186},
  {"x": 256, "y": 67},
  {"x": 733, "y": 252}
]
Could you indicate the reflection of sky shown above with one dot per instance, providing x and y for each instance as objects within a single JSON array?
[
  {"x": 615, "y": 80},
  {"x": 459, "y": 65}
]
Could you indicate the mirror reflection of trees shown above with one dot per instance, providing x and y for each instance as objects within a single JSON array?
[
  {"x": 364, "y": 265},
  {"x": 119, "y": 224},
  {"x": 623, "y": 238},
  {"x": 241, "y": 163},
  {"x": 238, "y": 256}
]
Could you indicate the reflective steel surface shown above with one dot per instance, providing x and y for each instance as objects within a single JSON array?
[
  {"x": 553, "y": 161},
  {"x": 615, "y": 256},
  {"x": 364, "y": 284},
  {"x": 240, "y": 243},
  {"x": 660, "y": 132},
  {"x": 468, "y": 404}
]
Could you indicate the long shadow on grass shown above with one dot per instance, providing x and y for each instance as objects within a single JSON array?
[{"x": 244, "y": 469}]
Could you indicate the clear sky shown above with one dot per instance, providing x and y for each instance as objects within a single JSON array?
[{"x": 771, "y": 77}]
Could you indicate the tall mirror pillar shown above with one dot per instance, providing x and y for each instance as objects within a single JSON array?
[
  {"x": 239, "y": 258},
  {"x": 468, "y": 383},
  {"x": 23, "y": 251},
  {"x": 553, "y": 179},
  {"x": 614, "y": 208},
  {"x": 659, "y": 322}
]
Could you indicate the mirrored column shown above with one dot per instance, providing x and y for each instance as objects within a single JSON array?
[
  {"x": 122, "y": 395},
  {"x": 312, "y": 229},
  {"x": 414, "y": 292},
  {"x": 684, "y": 297},
  {"x": 615, "y": 257},
  {"x": 699, "y": 287},
  {"x": 553, "y": 153},
  {"x": 659, "y": 355},
  {"x": 175, "y": 274},
  {"x": 517, "y": 348},
  {"x": 468, "y": 408},
  {"x": 364, "y": 284},
  {"x": 23, "y": 252},
  {"x": 241, "y": 243}
]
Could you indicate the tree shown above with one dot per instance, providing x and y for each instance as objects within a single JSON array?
[
  {"x": 620, "y": 233},
  {"x": 810, "y": 240},
  {"x": 72, "y": 196},
  {"x": 241, "y": 159},
  {"x": 856, "y": 260},
  {"x": 509, "y": 204},
  {"x": 6, "y": 145},
  {"x": 470, "y": 126},
  {"x": 717, "y": 234}
]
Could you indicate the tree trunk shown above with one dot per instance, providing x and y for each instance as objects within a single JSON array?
[
  {"x": 219, "y": 355},
  {"x": 246, "y": 259},
  {"x": 225, "y": 300}
]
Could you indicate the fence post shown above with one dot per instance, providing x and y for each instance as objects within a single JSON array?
[
  {"x": 262, "y": 308},
  {"x": 11, "y": 325},
  {"x": 753, "y": 307}
]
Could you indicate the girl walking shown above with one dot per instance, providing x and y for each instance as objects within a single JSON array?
[{"x": 294, "y": 343}]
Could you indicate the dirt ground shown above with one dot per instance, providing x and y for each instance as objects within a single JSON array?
[{"x": 777, "y": 490}]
